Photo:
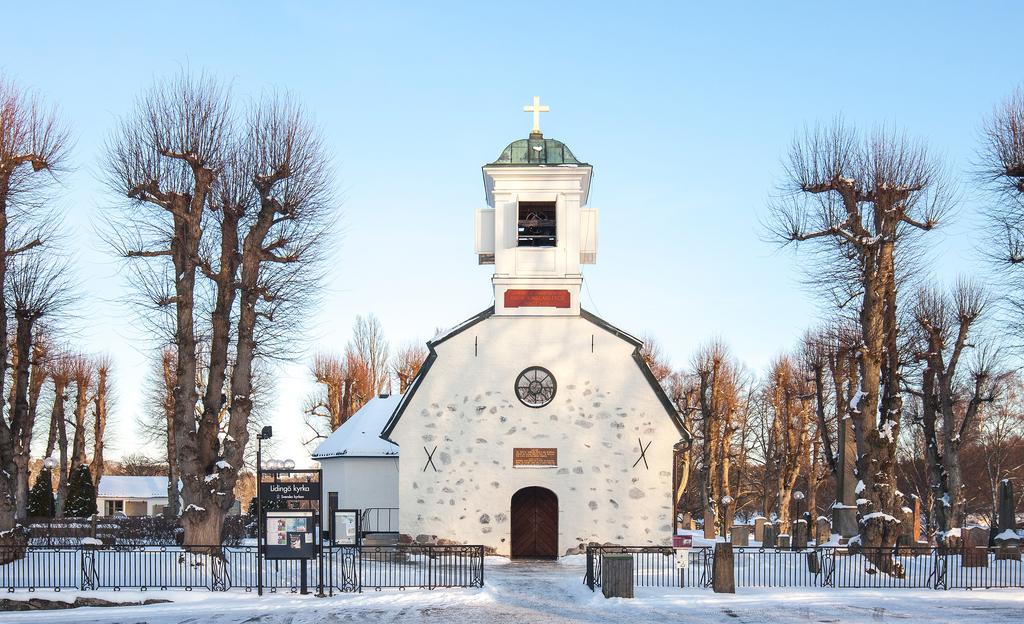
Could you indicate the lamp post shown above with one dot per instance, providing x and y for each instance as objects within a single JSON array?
[
  {"x": 799, "y": 538},
  {"x": 265, "y": 434},
  {"x": 726, "y": 501},
  {"x": 49, "y": 464}
]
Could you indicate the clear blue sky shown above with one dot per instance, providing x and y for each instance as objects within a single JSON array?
[{"x": 683, "y": 111}]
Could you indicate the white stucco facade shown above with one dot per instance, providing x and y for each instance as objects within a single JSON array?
[{"x": 604, "y": 408}]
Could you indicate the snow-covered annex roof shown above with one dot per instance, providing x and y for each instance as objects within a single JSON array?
[
  {"x": 121, "y": 486},
  {"x": 360, "y": 435}
]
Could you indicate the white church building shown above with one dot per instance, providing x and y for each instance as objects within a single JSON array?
[{"x": 535, "y": 426}]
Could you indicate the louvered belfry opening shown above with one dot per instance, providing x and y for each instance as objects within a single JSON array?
[
  {"x": 534, "y": 524},
  {"x": 537, "y": 224}
]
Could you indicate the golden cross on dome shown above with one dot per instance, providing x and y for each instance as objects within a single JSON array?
[{"x": 536, "y": 109}]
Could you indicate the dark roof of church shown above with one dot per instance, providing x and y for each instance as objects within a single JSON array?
[
  {"x": 489, "y": 312},
  {"x": 536, "y": 150}
]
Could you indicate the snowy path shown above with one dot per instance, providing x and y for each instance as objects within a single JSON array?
[{"x": 548, "y": 593}]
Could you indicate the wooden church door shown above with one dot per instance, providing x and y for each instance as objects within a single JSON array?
[{"x": 534, "y": 524}]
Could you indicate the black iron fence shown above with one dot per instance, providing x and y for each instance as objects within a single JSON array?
[
  {"x": 827, "y": 567},
  {"x": 379, "y": 520},
  {"x": 221, "y": 568}
]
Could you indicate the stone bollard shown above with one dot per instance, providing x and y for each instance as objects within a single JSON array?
[
  {"x": 768, "y": 534},
  {"x": 723, "y": 580},
  {"x": 740, "y": 535},
  {"x": 617, "y": 575}
]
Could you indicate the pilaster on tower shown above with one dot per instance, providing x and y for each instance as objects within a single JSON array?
[{"x": 538, "y": 230}]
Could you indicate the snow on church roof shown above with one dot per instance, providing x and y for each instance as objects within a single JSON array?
[
  {"x": 126, "y": 486},
  {"x": 360, "y": 435}
]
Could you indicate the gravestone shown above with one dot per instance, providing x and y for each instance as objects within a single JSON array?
[
  {"x": 1007, "y": 541},
  {"x": 709, "y": 525},
  {"x": 686, "y": 522},
  {"x": 768, "y": 534},
  {"x": 617, "y": 575},
  {"x": 975, "y": 548},
  {"x": 784, "y": 540},
  {"x": 844, "y": 511},
  {"x": 740, "y": 535},
  {"x": 800, "y": 534},
  {"x": 759, "y": 523},
  {"x": 822, "y": 531},
  {"x": 915, "y": 518},
  {"x": 723, "y": 580}
]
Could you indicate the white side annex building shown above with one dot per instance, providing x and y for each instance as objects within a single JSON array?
[{"x": 535, "y": 426}]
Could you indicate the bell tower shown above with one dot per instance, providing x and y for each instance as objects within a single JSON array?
[{"x": 537, "y": 230}]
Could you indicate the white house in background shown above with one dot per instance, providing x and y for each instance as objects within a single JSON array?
[
  {"x": 131, "y": 495},
  {"x": 360, "y": 470}
]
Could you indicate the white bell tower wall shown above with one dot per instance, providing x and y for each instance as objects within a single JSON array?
[{"x": 537, "y": 280}]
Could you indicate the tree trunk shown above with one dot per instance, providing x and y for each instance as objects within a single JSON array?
[
  {"x": 100, "y": 423},
  {"x": 22, "y": 421}
]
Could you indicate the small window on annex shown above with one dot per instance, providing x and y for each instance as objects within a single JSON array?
[
  {"x": 114, "y": 507},
  {"x": 537, "y": 224}
]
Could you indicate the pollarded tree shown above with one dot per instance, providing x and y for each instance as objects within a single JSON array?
[
  {"x": 226, "y": 217},
  {"x": 788, "y": 395},
  {"x": 1002, "y": 171},
  {"x": 859, "y": 200},
  {"x": 33, "y": 149},
  {"x": 957, "y": 378}
]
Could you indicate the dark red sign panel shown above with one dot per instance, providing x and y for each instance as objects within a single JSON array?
[{"x": 536, "y": 298}]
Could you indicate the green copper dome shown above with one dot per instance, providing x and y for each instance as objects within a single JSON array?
[{"x": 537, "y": 150}]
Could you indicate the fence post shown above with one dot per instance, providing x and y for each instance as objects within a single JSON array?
[
  {"x": 589, "y": 580},
  {"x": 88, "y": 558}
]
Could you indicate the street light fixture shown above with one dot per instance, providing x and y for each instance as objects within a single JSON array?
[{"x": 265, "y": 434}]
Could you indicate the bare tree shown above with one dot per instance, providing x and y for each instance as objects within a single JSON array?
[
  {"x": 407, "y": 364},
  {"x": 951, "y": 390},
  {"x": 60, "y": 371},
  {"x": 327, "y": 405},
  {"x": 721, "y": 391},
  {"x": 859, "y": 201},
  {"x": 82, "y": 378},
  {"x": 100, "y": 405},
  {"x": 789, "y": 397},
  {"x": 653, "y": 355},
  {"x": 1002, "y": 172},
  {"x": 33, "y": 149},
  {"x": 369, "y": 347},
  {"x": 226, "y": 218}
]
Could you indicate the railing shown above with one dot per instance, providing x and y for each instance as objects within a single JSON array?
[
  {"x": 655, "y": 566},
  {"x": 220, "y": 568},
  {"x": 379, "y": 520},
  {"x": 353, "y": 568},
  {"x": 826, "y": 567}
]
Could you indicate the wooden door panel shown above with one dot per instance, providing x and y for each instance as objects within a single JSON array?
[{"x": 534, "y": 523}]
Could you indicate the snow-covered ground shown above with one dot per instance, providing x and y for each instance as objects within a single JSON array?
[{"x": 538, "y": 592}]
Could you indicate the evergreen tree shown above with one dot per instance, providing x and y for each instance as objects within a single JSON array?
[
  {"x": 81, "y": 501},
  {"x": 40, "y": 497}
]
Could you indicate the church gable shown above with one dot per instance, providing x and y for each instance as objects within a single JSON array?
[{"x": 636, "y": 343}]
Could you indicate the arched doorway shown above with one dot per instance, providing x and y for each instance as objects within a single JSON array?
[{"x": 534, "y": 524}]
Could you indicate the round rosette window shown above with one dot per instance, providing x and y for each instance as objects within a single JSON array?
[{"x": 535, "y": 386}]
